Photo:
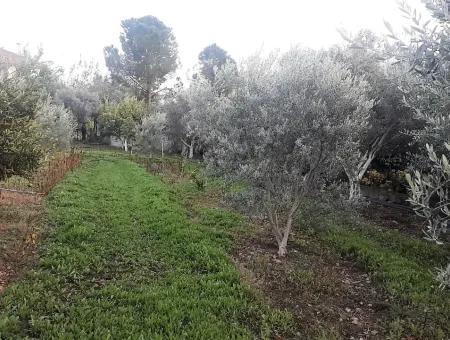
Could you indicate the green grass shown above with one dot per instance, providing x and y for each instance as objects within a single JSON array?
[
  {"x": 401, "y": 264},
  {"x": 122, "y": 259}
]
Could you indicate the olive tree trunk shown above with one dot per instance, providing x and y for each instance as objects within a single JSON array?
[
  {"x": 283, "y": 230},
  {"x": 190, "y": 147},
  {"x": 354, "y": 188},
  {"x": 356, "y": 172},
  {"x": 125, "y": 144}
]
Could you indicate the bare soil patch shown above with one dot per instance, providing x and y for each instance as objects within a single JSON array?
[
  {"x": 396, "y": 218},
  {"x": 18, "y": 240},
  {"x": 328, "y": 297}
]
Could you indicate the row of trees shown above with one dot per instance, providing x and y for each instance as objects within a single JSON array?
[
  {"x": 288, "y": 124},
  {"x": 43, "y": 109},
  {"x": 159, "y": 118}
]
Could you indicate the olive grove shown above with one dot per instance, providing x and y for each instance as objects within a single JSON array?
[{"x": 288, "y": 126}]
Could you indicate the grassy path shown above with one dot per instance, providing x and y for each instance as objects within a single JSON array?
[{"x": 123, "y": 260}]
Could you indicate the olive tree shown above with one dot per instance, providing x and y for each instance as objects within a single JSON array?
[
  {"x": 430, "y": 198},
  {"x": 20, "y": 94},
  {"x": 199, "y": 116},
  {"x": 175, "y": 109},
  {"x": 196, "y": 120},
  {"x": 56, "y": 125},
  {"x": 121, "y": 120},
  {"x": 427, "y": 54},
  {"x": 279, "y": 126},
  {"x": 389, "y": 114},
  {"x": 152, "y": 134},
  {"x": 429, "y": 194},
  {"x": 84, "y": 105}
]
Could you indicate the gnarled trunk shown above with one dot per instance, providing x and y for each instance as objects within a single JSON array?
[{"x": 354, "y": 176}]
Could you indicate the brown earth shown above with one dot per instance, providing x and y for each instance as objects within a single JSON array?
[
  {"x": 328, "y": 297},
  {"x": 18, "y": 240}
]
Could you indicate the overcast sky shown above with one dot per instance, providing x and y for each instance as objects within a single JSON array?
[{"x": 70, "y": 29}]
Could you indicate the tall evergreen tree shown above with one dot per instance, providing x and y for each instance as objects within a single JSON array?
[
  {"x": 149, "y": 55},
  {"x": 211, "y": 59}
]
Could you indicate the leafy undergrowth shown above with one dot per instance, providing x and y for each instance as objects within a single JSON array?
[
  {"x": 122, "y": 259},
  {"x": 401, "y": 264}
]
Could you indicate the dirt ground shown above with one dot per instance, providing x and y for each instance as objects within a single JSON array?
[
  {"x": 328, "y": 297},
  {"x": 18, "y": 239},
  {"x": 399, "y": 218}
]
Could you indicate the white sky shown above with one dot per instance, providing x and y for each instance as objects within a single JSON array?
[{"x": 70, "y": 29}]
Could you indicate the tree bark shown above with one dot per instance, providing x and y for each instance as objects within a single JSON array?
[
  {"x": 355, "y": 189},
  {"x": 83, "y": 132},
  {"x": 125, "y": 145},
  {"x": 282, "y": 243},
  {"x": 191, "y": 150},
  {"x": 190, "y": 147},
  {"x": 355, "y": 175}
]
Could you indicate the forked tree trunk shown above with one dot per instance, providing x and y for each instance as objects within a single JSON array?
[
  {"x": 355, "y": 175},
  {"x": 190, "y": 147},
  {"x": 282, "y": 232},
  {"x": 282, "y": 244}
]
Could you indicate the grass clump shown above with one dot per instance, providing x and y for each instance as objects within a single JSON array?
[{"x": 402, "y": 264}]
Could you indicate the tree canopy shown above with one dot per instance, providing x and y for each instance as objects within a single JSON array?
[
  {"x": 121, "y": 119},
  {"x": 20, "y": 95},
  {"x": 211, "y": 59},
  {"x": 279, "y": 126},
  {"x": 149, "y": 54}
]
